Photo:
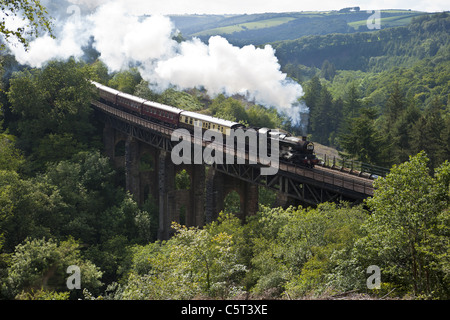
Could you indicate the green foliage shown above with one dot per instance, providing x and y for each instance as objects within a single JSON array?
[
  {"x": 293, "y": 249},
  {"x": 53, "y": 106},
  {"x": 370, "y": 51},
  {"x": 194, "y": 262},
  {"x": 98, "y": 71},
  {"x": 73, "y": 198},
  {"x": 143, "y": 90},
  {"x": 55, "y": 184},
  {"x": 263, "y": 28},
  {"x": 182, "y": 180},
  {"x": 427, "y": 134},
  {"x": 232, "y": 203},
  {"x": 41, "y": 265},
  {"x": 11, "y": 158},
  {"x": 228, "y": 109},
  {"x": 126, "y": 81},
  {"x": 328, "y": 70},
  {"x": 26, "y": 206},
  {"x": 42, "y": 294},
  {"x": 400, "y": 73},
  {"x": 363, "y": 140},
  {"x": 32, "y": 13},
  {"x": 182, "y": 100},
  {"x": 325, "y": 118},
  {"x": 408, "y": 230}
]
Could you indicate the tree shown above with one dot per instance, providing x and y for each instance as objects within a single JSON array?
[
  {"x": 126, "y": 81},
  {"x": 395, "y": 106},
  {"x": 352, "y": 102},
  {"x": 93, "y": 209},
  {"x": 312, "y": 94},
  {"x": 11, "y": 158},
  {"x": 260, "y": 116},
  {"x": 320, "y": 117},
  {"x": 402, "y": 132},
  {"x": 39, "y": 264},
  {"x": 363, "y": 140},
  {"x": 228, "y": 109},
  {"x": 427, "y": 134},
  {"x": 178, "y": 99},
  {"x": 315, "y": 243},
  {"x": 143, "y": 90},
  {"x": 336, "y": 114},
  {"x": 34, "y": 20},
  {"x": 294, "y": 251},
  {"x": 27, "y": 209},
  {"x": 408, "y": 229},
  {"x": 444, "y": 152},
  {"x": 53, "y": 105},
  {"x": 98, "y": 71},
  {"x": 328, "y": 71},
  {"x": 193, "y": 262}
]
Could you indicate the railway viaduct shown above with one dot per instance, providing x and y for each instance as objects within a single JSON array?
[{"x": 144, "y": 148}]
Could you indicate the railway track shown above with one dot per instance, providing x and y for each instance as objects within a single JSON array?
[{"x": 327, "y": 176}]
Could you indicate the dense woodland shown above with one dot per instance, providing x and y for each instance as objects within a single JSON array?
[
  {"x": 264, "y": 28},
  {"x": 378, "y": 96},
  {"x": 62, "y": 202}
]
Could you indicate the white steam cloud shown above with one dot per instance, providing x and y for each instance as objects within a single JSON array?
[{"x": 125, "y": 39}]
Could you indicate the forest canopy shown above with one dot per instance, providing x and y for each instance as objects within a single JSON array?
[{"x": 382, "y": 98}]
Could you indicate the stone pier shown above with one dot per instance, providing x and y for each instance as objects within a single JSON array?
[{"x": 150, "y": 172}]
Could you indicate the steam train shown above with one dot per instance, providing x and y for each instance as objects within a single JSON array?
[{"x": 291, "y": 149}]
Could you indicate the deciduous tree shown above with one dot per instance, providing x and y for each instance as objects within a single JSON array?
[{"x": 33, "y": 14}]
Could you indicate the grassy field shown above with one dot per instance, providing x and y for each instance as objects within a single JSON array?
[
  {"x": 291, "y": 25},
  {"x": 396, "y": 21},
  {"x": 320, "y": 150},
  {"x": 246, "y": 26}
]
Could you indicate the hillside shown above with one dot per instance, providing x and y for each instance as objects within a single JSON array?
[
  {"x": 378, "y": 96},
  {"x": 370, "y": 51},
  {"x": 269, "y": 27},
  {"x": 72, "y": 227}
]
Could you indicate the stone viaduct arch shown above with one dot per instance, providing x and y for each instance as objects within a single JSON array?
[{"x": 201, "y": 203}]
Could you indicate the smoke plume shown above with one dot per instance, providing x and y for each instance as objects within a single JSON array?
[{"x": 127, "y": 38}]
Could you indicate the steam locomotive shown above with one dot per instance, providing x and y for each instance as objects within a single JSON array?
[{"x": 292, "y": 149}]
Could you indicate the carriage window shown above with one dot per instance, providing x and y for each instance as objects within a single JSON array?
[
  {"x": 186, "y": 119},
  {"x": 190, "y": 120}
]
